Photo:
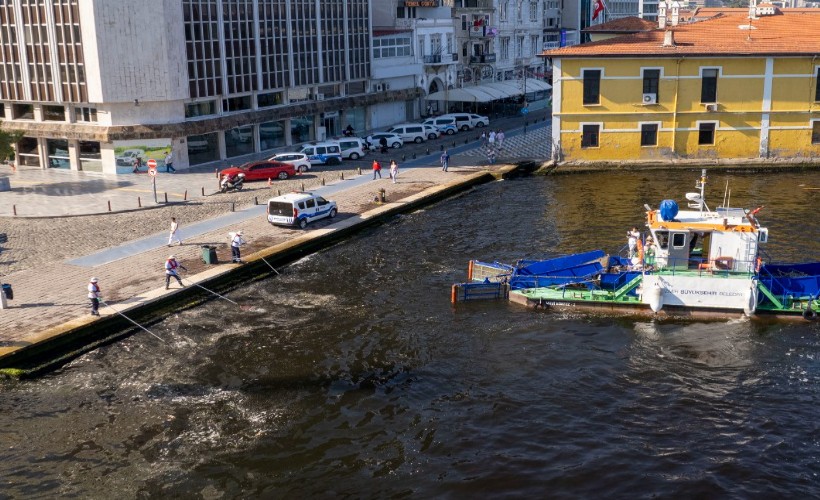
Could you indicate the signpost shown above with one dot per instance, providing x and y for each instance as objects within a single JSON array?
[{"x": 152, "y": 171}]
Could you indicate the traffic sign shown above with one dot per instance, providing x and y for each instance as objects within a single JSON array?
[
  {"x": 152, "y": 171},
  {"x": 152, "y": 163}
]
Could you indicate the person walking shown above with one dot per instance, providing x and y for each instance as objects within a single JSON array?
[
  {"x": 94, "y": 296},
  {"x": 236, "y": 242},
  {"x": 174, "y": 234},
  {"x": 445, "y": 160},
  {"x": 169, "y": 163},
  {"x": 483, "y": 138},
  {"x": 394, "y": 170},
  {"x": 377, "y": 169},
  {"x": 171, "y": 266},
  {"x": 137, "y": 164},
  {"x": 491, "y": 139},
  {"x": 499, "y": 138}
]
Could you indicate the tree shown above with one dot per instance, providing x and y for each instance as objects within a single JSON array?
[{"x": 7, "y": 140}]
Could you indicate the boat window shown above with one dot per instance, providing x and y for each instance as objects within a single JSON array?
[
  {"x": 678, "y": 240},
  {"x": 662, "y": 239}
]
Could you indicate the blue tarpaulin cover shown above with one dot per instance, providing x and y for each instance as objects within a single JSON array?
[{"x": 668, "y": 209}]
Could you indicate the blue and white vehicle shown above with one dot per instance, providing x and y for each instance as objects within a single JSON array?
[
  {"x": 299, "y": 209},
  {"x": 323, "y": 153},
  {"x": 445, "y": 125}
]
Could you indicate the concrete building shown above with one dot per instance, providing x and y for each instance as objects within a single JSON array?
[
  {"x": 91, "y": 84},
  {"x": 741, "y": 85}
]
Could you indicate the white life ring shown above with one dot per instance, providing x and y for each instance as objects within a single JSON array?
[
  {"x": 750, "y": 306},
  {"x": 655, "y": 298}
]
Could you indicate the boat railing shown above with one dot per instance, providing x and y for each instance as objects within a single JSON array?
[{"x": 719, "y": 266}]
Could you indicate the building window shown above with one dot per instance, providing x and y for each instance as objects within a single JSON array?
[
  {"x": 58, "y": 153},
  {"x": 651, "y": 82},
  {"x": 268, "y": 100},
  {"x": 22, "y": 112},
  {"x": 502, "y": 11},
  {"x": 817, "y": 85},
  {"x": 90, "y": 157},
  {"x": 53, "y": 113},
  {"x": 464, "y": 25},
  {"x": 706, "y": 134},
  {"x": 28, "y": 153},
  {"x": 649, "y": 134},
  {"x": 85, "y": 115},
  {"x": 271, "y": 135},
  {"x": 240, "y": 103},
  {"x": 589, "y": 139},
  {"x": 239, "y": 141},
  {"x": 815, "y": 132},
  {"x": 533, "y": 11},
  {"x": 205, "y": 108},
  {"x": 708, "y": 89},
  {"x": 505, "y": 48},
  {"x": 592, "y": 86},
  {"x": 203, "y": 148}
]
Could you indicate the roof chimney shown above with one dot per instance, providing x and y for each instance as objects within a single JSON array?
[
  {"x": 662, "y": 14},
  {"x": 675, "y": 12},
  {"x": 668, "y": 38}
]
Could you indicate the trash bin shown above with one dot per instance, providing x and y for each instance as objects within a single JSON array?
[
  {"x": 209, "y": 254},
  {"x": 8, "y": 291}
]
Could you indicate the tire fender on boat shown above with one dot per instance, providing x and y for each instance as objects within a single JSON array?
[
  {"x": 809, "y": 313},
  {"x": 750, "y": 306},
  {"x": 655, "y": 297}
]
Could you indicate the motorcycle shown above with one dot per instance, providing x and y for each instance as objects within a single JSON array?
[{"x": 232, "y": 183}]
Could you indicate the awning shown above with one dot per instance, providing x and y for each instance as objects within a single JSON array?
[{"x": 487, "y": 92}]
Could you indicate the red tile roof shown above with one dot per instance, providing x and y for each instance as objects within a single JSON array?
[
  {"x": 790, "y": 32},
  {"x": 624, "y": 25}
]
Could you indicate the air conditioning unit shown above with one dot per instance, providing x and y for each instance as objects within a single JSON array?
[
  {"x": 386, "y": 86},
  {"x": 649, "y": 99},
  {"x": 710, "y": 107},
  {"x": 379, "y": 87},
  {"x": 320, "y": 97}
]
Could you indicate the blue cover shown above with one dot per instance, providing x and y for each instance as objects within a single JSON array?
[
  {"x": 554, "y": 266},
  {"x": 668, "y": 210},
  {"x": 797, "y": 280}
]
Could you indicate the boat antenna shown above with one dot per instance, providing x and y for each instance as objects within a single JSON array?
[{"x": 725, "y": 193}]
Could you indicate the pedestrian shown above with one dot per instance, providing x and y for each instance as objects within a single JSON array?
[
  {"x": 445, "y": 160},
  {"x": 491, "y": 139},
  {"x": 174, "y": 234},
  {"x": 650, "y": 252},
  {"x": 169, "y": 163},
  {"x": 491, "y": 156},
  {"x": 394, "y": 170},
  {"x": 94, "y": 296},
  {"x": 377, "y": 169},
  {"x": 632, "y": 241},
  {"x": 429, "y": 110},
  {"x": 236, "y": 242},
  {"x": 137, "y": 164},
  {"x": 499, "y": 138},
  {"x": 171, "y": 266},
  {"x": 383, "y": 145},
  {"x": 483, "y": 138}
]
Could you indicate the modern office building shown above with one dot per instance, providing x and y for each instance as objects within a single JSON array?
[{"x": 89, "y": 84}]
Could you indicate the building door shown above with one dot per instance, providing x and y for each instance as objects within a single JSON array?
[{"x": 330, "y": 121}]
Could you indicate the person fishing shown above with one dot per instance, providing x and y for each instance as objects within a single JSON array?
[
  {"x": 171, "y": 266},
  {"x": 94, "y": 296}
]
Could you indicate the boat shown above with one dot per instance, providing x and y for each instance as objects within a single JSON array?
[{"x": 693, "y": 262}]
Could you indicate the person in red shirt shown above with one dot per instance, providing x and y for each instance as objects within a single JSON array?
[{"x": 377, "y": 169}]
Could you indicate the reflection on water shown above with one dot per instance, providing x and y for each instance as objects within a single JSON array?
[{"x": 352, "y": 375}]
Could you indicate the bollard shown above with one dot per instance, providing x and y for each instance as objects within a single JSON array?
[
  {"x": 216, "y": 173},
  {"x": 139, "y": 202},
  {"x": 166, "y": 197},
  {"x": 342, "y": 176},
  {"x": 256, "y": 200},
  {"x": 414, "y": 156},
  {"x": 269, "y": 182},
  {"x": 303, "y": 187},
  {"x": 109, "y": 205},
  {"x": 278, "y": 192},
  {"x": 185, "y": 196},
  {"x": 203, "y": 190},
  {"x": 466, "y": 141},
  {"x": 403, "y": 157},
  {"x": 382, "y": 196},
  {"x": 441, "y": 148},
  {"x": 233, "y": 206},
  {"x": 323, "y": 181},
  {"x": 454, "y": 143},
  {"x": 359, "y": 170},
  {"x": 15, "y": 209},
  {"x": 427, "y": 151}
]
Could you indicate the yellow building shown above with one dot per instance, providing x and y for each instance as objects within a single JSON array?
[{"x": 724, "y": 88}]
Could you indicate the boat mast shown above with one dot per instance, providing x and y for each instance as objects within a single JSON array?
[{"x": 702, "y": 185}]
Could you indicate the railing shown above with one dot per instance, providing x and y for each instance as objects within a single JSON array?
[
  {"x": 483, "y": 58},
  {"x": 434, "y": 59}
]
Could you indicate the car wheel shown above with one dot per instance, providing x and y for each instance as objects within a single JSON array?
[
  {"x": 354, "y": 156},
  {"x": 302, "y": 223},
  {"x": 479, "y": 124},
  {"x": 302, "y": 169},
  {"x": 332, "y": 213},
  {"x": 432, "y": 136},
  {"x": 283, "y": 175},
  {"x": 450, "y": 131},
  {"x": 334, "y": 161},
  {"x": 465, "y": 128},
  {"x": 418, "y": 140},
  {"x": 396, "y": 145}
]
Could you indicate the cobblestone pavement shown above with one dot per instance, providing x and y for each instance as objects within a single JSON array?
[{"x": 49, "y": 292}]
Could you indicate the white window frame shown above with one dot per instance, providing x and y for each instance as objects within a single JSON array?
[
  {"x": 714, "y": 137},
  {"x": 600, "y": 133},
  {"x": 657, "y": 137}
]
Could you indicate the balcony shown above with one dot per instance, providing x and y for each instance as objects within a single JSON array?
[
  {"x": 483, "y": 58},
  {"x": 444, "y": 58},
  {"x": 476, "y": 4}
]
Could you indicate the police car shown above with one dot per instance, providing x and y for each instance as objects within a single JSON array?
[{"x": 299, "y": 208}]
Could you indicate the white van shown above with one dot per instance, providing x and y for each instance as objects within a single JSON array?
[
  {"x": 414, "y": 132},
  {"x": 466, "y": 121},
  {"x": 299, "y": 209},
  {"x": 352, "y": 148},
  {"x": 445, "y": 124},
  {"x": 323, "y": 153}
]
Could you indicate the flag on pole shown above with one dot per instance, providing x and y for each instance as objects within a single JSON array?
[{"x": 599, "y": 7}]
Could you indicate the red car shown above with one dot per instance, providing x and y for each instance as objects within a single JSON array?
[{"x": 261, "y": 170}]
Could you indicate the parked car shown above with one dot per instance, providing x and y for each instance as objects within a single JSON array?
[
  {"x": 323, "y": 153},
  {"x": 393, "y": 140},
  {"x": 261, "y": 170},
  {"x": 445, "y": 125},
  {"x": 352, "y": 148},
  {"x": 412, "y": 132},
  {"x": 467, "y": 121},
  {"x": 299, "y": 209},
  {"x": 298, "y": 160}
]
